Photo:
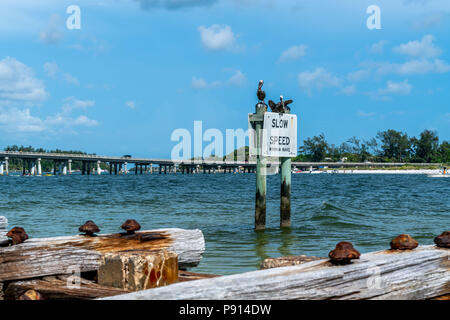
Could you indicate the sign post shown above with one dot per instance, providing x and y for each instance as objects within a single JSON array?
[
  {"x": 280, "y": 140},
  {"x": 257, "y": 120},
  {"x": 272, "y": 134}
]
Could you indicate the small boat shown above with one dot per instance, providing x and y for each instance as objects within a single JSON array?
[{"x": 443, "y": 174}]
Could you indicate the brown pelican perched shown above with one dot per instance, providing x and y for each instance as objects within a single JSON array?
[
  {"x": 280, "y": 106},
  {"x": 285, "y": 103},
  {"x": 260, "y": 93}
]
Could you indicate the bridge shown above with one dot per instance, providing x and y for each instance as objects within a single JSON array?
[{"x": 91, "y": 163}]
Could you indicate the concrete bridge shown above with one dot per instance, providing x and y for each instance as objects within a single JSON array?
[{"x": 63, "y": 164}]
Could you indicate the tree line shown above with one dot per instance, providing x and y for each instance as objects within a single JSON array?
[{"x": 387, "y": 146}]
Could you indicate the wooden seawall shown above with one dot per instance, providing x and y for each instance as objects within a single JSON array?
[{"x": 422, "y": 273}]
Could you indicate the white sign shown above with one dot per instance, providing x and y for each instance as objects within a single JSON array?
[{"x": 279, "y": 135}]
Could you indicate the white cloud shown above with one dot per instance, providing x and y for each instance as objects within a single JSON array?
[
  {"x": 53, "y": 71},
  {"x": 52, "y": 34},
  {"x": 130, "y": 104},
  {"x": 412, "y": 67},
  {"x": 365, "y": 114},
  {"x": 17, "y": 82},
  {"x": 198, "y": 83},
  {"x": 377, "y": 48},
  {"x": 402, "y": 88},
  {"x": 358, "y": 75},
  {"x": 217, "y": 38},
  {"x": 71, "y": 79},
  {"x": 419, "y": 49},
  {"x": 349, "y": 90},
  {"x": 293, "y": 53},
  {"x": 14, "y": 120},
  {"x": 84, "y": 121},
  {"x": 317, "y": 79},
  {"x": 72, "y": 103},
  {"x": 61, "y": 120},
  {"x": 237, "y": 79},
  {"x": 174, "y": 4}
]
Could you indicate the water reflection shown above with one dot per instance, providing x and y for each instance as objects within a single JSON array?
[{"x": 287, "y": 240}]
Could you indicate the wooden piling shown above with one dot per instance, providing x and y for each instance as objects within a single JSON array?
[
  {"x": 285, "y": 196},
  {"x": 261, "y": 172}
]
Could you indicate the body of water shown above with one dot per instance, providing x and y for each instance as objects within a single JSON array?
[{"x": 368, "y": 210}]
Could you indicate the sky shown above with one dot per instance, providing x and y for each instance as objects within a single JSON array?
[{"x": 136, "y": 70}]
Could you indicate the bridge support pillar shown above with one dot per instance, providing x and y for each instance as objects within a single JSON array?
[
  {"x": 69, "y": 164},
  {"x": 125, "y": 167},
  {"x": 33, "y": 168},
  {"x": 140, "y": 167},
  {"x": 1, "y": 168},
  {"x": 39, "y": 167},
  {"x": 6, "y": 165},
  {"x": 115, "y": 169},
  {"x": 54, "y": 168},
  {"x": 83, "y": 168},
  {"x": 110, "y": 168},
  {"x": 151, "y": 168},
  {"x": 99, "y": 170},
  {"x": 88, "y": 168},
  {"x": 120, "y": 168},
  {"x": 135, "y": 168},
  {"x": 160, "y": 168},
  {"x": 64, "y": 172}
]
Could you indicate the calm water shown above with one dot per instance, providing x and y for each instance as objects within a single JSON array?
[{"x": 367, "y": 210}]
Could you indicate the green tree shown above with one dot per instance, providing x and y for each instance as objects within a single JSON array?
[
  {"x": 444, "y": 152},
  {"x": 395, "y": 145},
  {"x": 315, "y": 148},
  {"x": 426, "y": 147}
]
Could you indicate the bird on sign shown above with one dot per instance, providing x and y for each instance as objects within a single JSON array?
[
  {"x": 281, "y": 106},
  {"x": 260, "y": 93}
]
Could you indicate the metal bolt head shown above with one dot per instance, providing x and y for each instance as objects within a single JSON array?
[
  {"x": 404, "y": 242},
  {"x": 443, "y": 241},
  {"x": 130, "y": 226},
  {"x": 17, "y": 235},
  {"x": 89, "y": 228},
  {"x": 343, "y": 253}
]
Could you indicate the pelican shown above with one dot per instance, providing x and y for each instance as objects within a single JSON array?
[{"x": 260, "y": 93}]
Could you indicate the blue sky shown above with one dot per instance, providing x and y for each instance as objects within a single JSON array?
[{"x": 139, "y": 69}]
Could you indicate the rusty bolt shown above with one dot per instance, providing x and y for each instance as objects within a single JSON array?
[
  {"x": 403, "y": 242},
  {"x": 17, "y": 234},
  {"x": 89, "y": 228},
  {"x": 31, "y": 295},
  {"x": 343, "y": 253},
  {"x": 131, "y": 226},
  {"x": 443, "y": 240}
]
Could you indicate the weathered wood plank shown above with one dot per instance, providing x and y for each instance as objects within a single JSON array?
[
  {"x": 418, "y": 274},
  {"x": 60, "y": 255},
  {"x": 3, "y": 231},
  {"x": 190, "y": 276},
  {"x": 269, "y": 263},
  {"x": 56, "y": 288}
]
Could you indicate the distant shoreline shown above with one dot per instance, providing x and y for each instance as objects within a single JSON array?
[{"x": 382, "y": 171}]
